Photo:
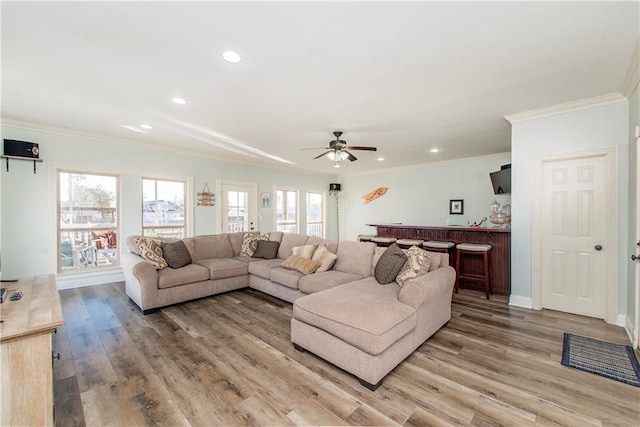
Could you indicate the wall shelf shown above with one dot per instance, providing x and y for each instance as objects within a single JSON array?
[{"x": 35, "y": 161}]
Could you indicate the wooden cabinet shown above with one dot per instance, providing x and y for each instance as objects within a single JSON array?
[
  {"x": 25, "y": 352},
  {"x": 498, "y": 238}
]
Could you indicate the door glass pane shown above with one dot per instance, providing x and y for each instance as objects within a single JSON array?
[
  {"x": 314, "y": 214},
  {"x": 237, "y": 211}
]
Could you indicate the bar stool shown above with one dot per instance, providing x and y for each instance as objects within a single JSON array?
[
  {"x": 365, "y": 237},
  {"x": 438, "y": 246},
  {"x": 474, "y": 249},
  {"x": 407, "y": 243},
  {"x": 384, "y": 241}
]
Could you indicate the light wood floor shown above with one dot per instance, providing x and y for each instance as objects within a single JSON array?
[{"x": 227, "y": 360}]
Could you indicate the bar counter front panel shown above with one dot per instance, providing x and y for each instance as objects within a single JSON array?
[{"x": 498, "y": 238}]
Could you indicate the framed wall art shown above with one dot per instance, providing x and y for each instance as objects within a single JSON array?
[{"x": 456, "y": 207}]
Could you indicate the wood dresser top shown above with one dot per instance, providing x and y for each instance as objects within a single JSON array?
[
  {"x": 38, "y": 311},
  {"x": 445, "y": 228}
]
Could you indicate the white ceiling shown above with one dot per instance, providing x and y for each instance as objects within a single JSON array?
[{"x": 405, "y": 77}]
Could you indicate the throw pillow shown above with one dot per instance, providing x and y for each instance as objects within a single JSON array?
[
  {"x": 301, "y": 264},
  {"x": 321, "y": 250},
  {"x": 326, "y": 261},
  {"x": 150, "y": 249},
  {"x": 389, "y": 264},
  {"x": 176, "y": 254},
  {"x": 266, "y": 249},
  {"x": 305, "y": 251},
  {"x": 250, "y": 242},
  {"x": 417, "y": 264}
]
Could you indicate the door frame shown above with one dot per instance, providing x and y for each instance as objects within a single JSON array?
[
  {"x": 253, "y": 200},
  {"x": 612, "y": 277}
]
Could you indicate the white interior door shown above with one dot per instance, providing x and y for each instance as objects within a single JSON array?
[
  {"x": 574, "y": 236},
  {"x": 636, "y": 329},
  {"x": 238, "y": 207}
]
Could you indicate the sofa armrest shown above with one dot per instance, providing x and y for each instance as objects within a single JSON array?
[
  {"x": 141, "y": 280},
  {"x": 434, "y": 284}
]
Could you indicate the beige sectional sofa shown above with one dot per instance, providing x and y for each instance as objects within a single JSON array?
[{"x": 342, "y": 315}]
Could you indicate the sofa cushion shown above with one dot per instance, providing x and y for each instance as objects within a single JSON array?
[
  {"x": 151, "y": 250},
  {"x": 355, "y": 257},
  {"x": 390, "y": 264},
  {"x": 276, "y": 236},
  {"x": 190, "y": 243},
  {"x": 236, "y": 242},
  {"x": 417, "y": 264},
  {"x": 192, "y": 273},
  {"x": 213, "y": 246},
  {"x": 289, "y": 241},
  {"x": 283, "y": 276},
  {"x": 266, "y": 249},
  {"x": 250, "y": 242},
  {"x": 176, "y": 254},
  {"x": 328, "y": 279},
  {"x": 263, "y": 268},
  {"x": 222, "y": 268},
  {"x": 300, "y": 263},
  {"x": 435, "y": 259},
  {"x": 362, "y": 313}
]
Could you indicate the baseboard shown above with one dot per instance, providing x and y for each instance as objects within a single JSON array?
[
  {"x": 79, "y": 280},
  {"x": 620, "y": 320},
  {"x": 520, "y": 301},
  {"x": 629, "y": 327}
]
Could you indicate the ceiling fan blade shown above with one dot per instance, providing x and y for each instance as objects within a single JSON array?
[
  {"x": 323, "y": 154},
  {"x": 351, "y": 156},
  {"x": 363, "y": 148},
  {"x": 317, "y": 148}
]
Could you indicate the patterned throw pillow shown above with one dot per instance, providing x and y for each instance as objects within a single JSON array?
[
  {"x": 389, "y": 264},
  {"x": 417, "y": 264},
  {"x": 306, "y": 251},
  {"x": 176, "y": 254},
  {"x": 266, "y": 249},
  {"x": 301, "y": 264},
  {"x": 151, "y": 250},
  {"x": 250, "y": 242}
]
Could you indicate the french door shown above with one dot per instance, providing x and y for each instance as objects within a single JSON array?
[{"x": 238, "y": 211}]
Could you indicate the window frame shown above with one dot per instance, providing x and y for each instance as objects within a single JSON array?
[
  {"x": 115, "y": 262},
  {"x": 297, "y": 209},
  {"x": 185, "y": 211}
]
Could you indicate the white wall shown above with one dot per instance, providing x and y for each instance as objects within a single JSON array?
[
  {"x": 595, "y": 127},
  {"x": 420, "y": 195},
  {"x": 28, "y": 210}
]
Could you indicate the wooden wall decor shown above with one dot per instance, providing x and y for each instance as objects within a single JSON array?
[
  {"x": 206, "y": 197},
  {"x": 378, "y": 192}
]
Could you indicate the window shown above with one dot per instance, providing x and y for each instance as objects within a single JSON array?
[
  {"x": 315, "y": 214},
  {"x": 163, "y": 209},
  {"x": 287, "y": 211},
  {"x": 87, "y": 221}
]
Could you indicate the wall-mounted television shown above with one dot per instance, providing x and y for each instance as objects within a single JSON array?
[{"x": 501, "y": 180}]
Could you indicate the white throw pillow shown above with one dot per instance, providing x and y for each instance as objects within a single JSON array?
[{"x": 305, "y": 251}]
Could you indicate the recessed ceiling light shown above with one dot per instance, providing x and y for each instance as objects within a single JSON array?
[
  {"x": 380, "y": 159},
  {"x": 435, "y": 150},
  {"x": 179, "y": 100},
  {"x": 145, "y": 126},
  {"x": 231, "y": 57}
]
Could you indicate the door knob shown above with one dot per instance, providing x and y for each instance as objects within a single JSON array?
[
  {"x": 597, "y": 247},
  {"x": 635, "y": 258}
]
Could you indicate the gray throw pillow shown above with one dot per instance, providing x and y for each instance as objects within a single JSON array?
[
  {"x": 176, "y": 254},
  {"x": 389, "y": 264},
  {"x": 266, "y": 249}
]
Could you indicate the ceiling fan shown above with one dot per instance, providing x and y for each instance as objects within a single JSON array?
[{"x": 338, "y": 150}]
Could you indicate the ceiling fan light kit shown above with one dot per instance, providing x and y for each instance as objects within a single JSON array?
[{"x": 338, "y": 150}]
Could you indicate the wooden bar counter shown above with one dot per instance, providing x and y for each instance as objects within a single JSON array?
[
  {"x": 498, "y": 238},
  {"x": 25, "y": 346}
]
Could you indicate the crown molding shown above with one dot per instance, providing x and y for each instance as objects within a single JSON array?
[
  {"x": 630, "y": 84},
  {"x": 428, "y": 165},
  {"x": 597, "y": 101},
  {"x": 38, "y": 127}
]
